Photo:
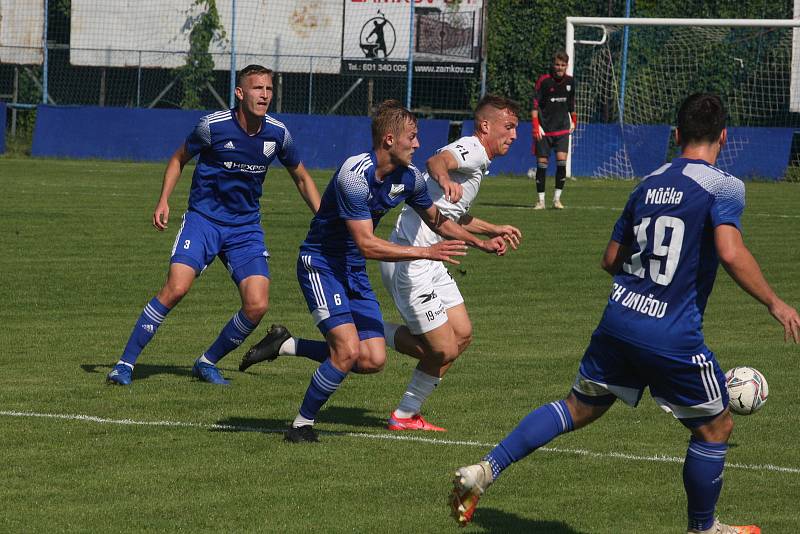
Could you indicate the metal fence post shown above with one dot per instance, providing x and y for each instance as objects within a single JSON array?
[
  {"x": 410, "y": 54},
  {"x": 139, "y": 82},
  {"x": 44, "y": 54},
  {"x": 310, "y": 81},
  {"x": 232, "y": 97}
]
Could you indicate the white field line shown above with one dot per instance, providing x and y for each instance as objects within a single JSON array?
[{"x": 389, "y": 436}]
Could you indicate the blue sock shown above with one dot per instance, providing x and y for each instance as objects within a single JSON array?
[
  {"x": 232, "y": 335},
  {"x": 702, "y": 479},
  {"x": 151, "y": 318},
  {"x": 313, "y": 350},
  {"x": 323, "y": 384},
  {"x": 538, "y": 428}
]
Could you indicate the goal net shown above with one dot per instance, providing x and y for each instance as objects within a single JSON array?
[{"x": 628, "y": 96}]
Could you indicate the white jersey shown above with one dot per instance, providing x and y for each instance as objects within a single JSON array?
[{"x": 473, "y": 164}]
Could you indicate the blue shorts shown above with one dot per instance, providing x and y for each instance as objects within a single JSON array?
[
  {"x": 337, "y": 294},
  {"x": 241, "y": 248},
  {"x": 691, "y": 387}
]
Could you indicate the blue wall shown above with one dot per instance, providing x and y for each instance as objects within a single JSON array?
[
  {"x": 154, "y": 134},
  {"x": 603, "y": 148},
  {"x": 757, "y": 152},
  {"x": 324, "y": 141},
  {"x": 3, "y": 112},
  {"x": 647, "y": 149}
]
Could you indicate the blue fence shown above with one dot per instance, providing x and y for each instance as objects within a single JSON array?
[
  {"x": 757, "y": 152},
  {"x": 154, "y": 134},
  {"x": 3, "y": 112},
  {"x": 324, "y": 141}
]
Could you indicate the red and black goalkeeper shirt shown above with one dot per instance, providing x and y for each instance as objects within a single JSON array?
[{"x": 554, "y": 100}]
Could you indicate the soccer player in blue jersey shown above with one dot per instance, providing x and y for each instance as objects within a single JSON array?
[
  {"x": 331, "y": 268},
  {"x": 235, "y": 149},
  {"x": 679, "y": 223}
]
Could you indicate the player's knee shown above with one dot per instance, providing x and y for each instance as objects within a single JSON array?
[
  {"x": 255, "y": 310},
  {"x": 371, "y": 362},
  {"x": 172, "y": 293},
  {"x": 717, "y": 431}
]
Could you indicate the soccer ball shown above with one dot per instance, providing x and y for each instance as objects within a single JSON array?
[{"x": 747, "y": 388}]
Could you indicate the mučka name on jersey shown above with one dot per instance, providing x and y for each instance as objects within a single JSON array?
[{"x": 663, "y": 195}]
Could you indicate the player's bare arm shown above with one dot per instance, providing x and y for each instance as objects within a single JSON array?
[
  {"x": 744, "y": 269},
  {"x": 438, "y": 169},
  {"x": 615, "y": 255},
  {"x": 305, "y": 186},
  {"x": 451, "y": 230},
  {"x": 538, "y": 131},
  {"x": 475, "y": 225},
  {"x": 171, "y": 176},
  {"x": 375, "y": 248}
]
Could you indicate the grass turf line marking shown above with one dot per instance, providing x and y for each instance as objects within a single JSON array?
[{"x": 393, "y": 437}]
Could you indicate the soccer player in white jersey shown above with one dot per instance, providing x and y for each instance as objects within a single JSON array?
[
  {"x": 679, "y": 223},
  {"x": 331, "y": 269},
  {"x": 235, "y": 148},
  {"x": 437, "y": 327}
]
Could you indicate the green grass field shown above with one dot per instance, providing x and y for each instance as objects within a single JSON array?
[{"x": 80, "y": 260}]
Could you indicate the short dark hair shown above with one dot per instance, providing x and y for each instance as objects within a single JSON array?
[
  {"x": 250, "y": 70},
  {"x": 496, "y": 102},
  {"x": 562, "y": 55},
  {"x": 390, "y": 117},
  {"x": 701, "y": 119}
]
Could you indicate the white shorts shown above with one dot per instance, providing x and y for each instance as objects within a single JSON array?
[{"x": 422, "y": 290}]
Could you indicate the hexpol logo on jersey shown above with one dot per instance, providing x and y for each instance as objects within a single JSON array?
[
  {"x": 269, "y": 148},
  {"x": 397, "y": 190}
]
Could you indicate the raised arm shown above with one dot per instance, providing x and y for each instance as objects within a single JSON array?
[
  {"x": 375, "y": 248},
  {"x": 450, "y": 230},
  {"x": 305, "y": 186},
  {"x": 744, "y": 269},
  {"x": 439, "y": 167},
  {"x": 475, "y": 225},
  {"x": 171, "y": 176}
]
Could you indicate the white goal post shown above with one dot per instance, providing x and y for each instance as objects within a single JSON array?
[{"x": 773, "y": 77}]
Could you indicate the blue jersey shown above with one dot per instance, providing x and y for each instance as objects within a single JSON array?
[
  {"x": 355, "y": 193},
  {"x": 230, "y": 171},
  {"x": 659, "y": 296}
]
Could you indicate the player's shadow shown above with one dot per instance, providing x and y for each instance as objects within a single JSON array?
[
  {"x": 528, "y": 205},
  {"x": 143, "y": 370},
  {"x": 335, "y": 415},
  {"x": 351, "y": 416},
  {"x": 251, "y": 424},
  {"x": 497, "y": 521}
]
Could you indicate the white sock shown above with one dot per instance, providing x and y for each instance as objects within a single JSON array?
[
  {"x": 541, "y": 198},
  {"x": 302, "y": 421},
  {"x": 289, "y": 347},
  {"x": 418, "y": 390},
  {"x": 125, "y": 363},
  {"x": 557, "y": 195},
  {"x": 389, "y": 330},
  {"x": 203, "y": 359}
]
